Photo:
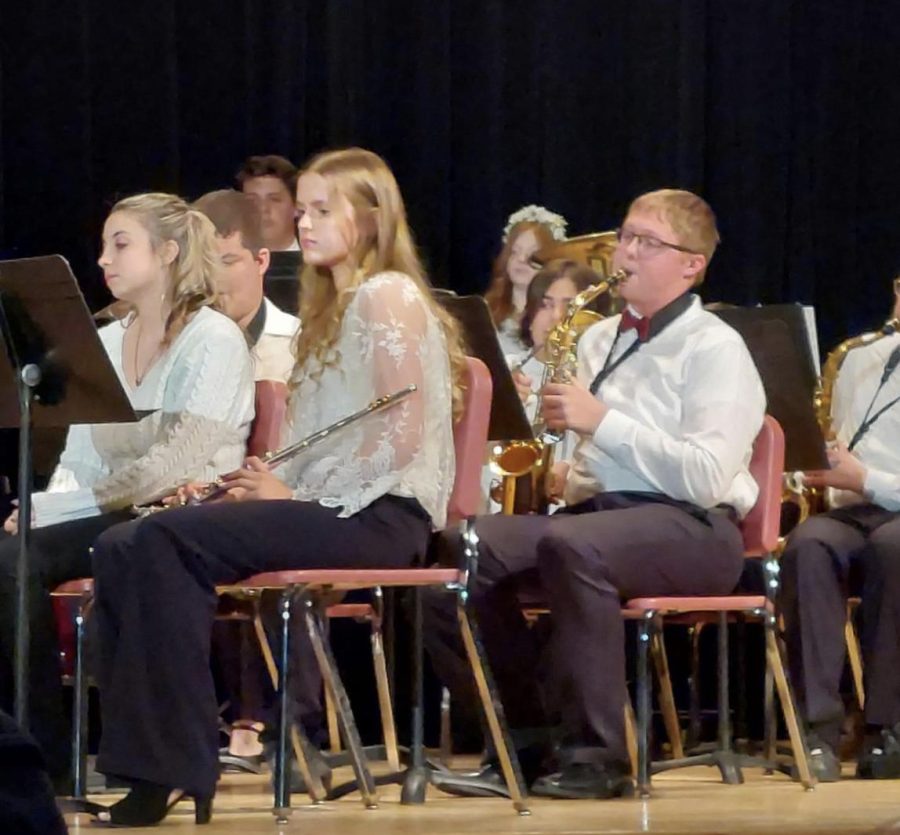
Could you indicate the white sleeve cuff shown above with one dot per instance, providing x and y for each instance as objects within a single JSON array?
[
  {"x": 882, "y": 488},
  {"x": 56, "y": 508},
  {"x": 613, "y": 431}
]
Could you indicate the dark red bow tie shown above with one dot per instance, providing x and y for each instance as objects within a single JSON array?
[{"x": 630, "y": 321}]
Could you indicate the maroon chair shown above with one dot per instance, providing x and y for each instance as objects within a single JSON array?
[
  {"x": 311, "y": 586},
  {"x": 760, "y": 531},
  {"x": 72, "y": 600},
  {"x": 271, "y": 406}
]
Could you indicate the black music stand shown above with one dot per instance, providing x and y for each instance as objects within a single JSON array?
[
  {"x": 508, "y": 420},
  {"x": 54, "y": 372},
  {"x": 777, "y": 338}
]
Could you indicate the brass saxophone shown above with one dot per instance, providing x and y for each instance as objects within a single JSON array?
[
  {"x": 534, "y": 458},
  {"x": 812, "y": 500},
  {"x": 832, "y": 367}
]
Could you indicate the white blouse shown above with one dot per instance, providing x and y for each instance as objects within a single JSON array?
[
  {"x": 855, "y": 391},
  {"x": 200, "y": 398},
  {"x": 509, "y": 335},
  {"x": 389, "y": 338}
]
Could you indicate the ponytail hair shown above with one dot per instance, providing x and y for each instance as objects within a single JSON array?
[{"x": 192, "y": 273}]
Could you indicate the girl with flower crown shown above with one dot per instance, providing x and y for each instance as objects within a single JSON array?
[{"x": 529, "y": 229}]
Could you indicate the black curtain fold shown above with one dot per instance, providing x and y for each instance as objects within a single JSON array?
[{"x": 783, "y": 113}]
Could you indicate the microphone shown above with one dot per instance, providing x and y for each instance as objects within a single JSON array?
[{"x": 891, "y": 364}]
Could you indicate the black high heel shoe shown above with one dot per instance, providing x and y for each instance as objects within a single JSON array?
[{"x": 147, "y": 804}]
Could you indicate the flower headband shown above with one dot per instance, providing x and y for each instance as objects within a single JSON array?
[{"x": 538, "y": 214}]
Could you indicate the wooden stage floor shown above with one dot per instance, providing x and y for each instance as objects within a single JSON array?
[{"x": 687, "y": 801}]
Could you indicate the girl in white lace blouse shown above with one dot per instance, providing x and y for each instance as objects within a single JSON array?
[
  {"x": 368, "y": 498},
  {"x": 176, "y": 358}
]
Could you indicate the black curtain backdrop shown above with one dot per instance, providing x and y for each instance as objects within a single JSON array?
[{"x": 783, "y": 114}]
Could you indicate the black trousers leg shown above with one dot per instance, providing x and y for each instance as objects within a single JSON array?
[
  {"x": 880, "y": 633},
  {"x": 156, "y": 601},
  {"x": 508, "y": 558},
  {"x": 56, "y": 554},
  {"x": 815, "y": 574},
  {"x": 590, "y": 562}
]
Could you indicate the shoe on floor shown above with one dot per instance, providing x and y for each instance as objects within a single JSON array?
[
  {"x": 582, "y": 781},
  {"x": 880, "y": 759},
  {"x": 823, "y": 762},
  {"x": 486, "y": 782}
]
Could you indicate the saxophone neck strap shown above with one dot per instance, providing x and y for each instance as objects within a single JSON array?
[{"x": 658, "y": 323}]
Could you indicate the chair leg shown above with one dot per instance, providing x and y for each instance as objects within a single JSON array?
[
  {"x": 741, "y": 734},
  {"x": 770, "y": 718},
  {"x": 314, "y": 786},
  {"x": 695, "y": 730},
  {"x": 493, "y": 709},
  {"x": 798, "y": 740},
  {"x": 80, "y": 705},
  {"x": 382, "y": 683},
  {"x": 446, "y": 743},
  {"x": 645, "y": 628},
  {"x": 725, "y": 756},
  {"x": 416, "y": 778},
  {"x": 333, "y": 683},
  {"x": 282, "y": 809},
  {"x": 631, "y": 737},
  {"x": 854, "y": 654},
  {"x": 334, "y": 734},
  {"x": 666, "y": 694}
]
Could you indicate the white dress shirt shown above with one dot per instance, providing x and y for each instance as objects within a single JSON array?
[
  {"x": 878, "y": 448},
  {"x": 684, "y": 410},
  {"x": 272, "y": 356}
]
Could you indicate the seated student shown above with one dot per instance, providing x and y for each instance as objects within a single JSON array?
[
  {"x": 548, "y": 298},
  {"x": 175, "y": 355},
  {"x": 853, "y": 549},
  {"x": 270, "y": 332},
  {"x": 245, "y": 260},
  {"x": 549, "y": 294},
  {"x": 667, "y": 404},
  {"x": 370, "y": 496},
  {"x": 270, "y": 181},
  {"x": 527, "y": 230}
]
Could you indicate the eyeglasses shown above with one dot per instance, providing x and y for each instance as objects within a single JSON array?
[{"x": 648, "y": 244}]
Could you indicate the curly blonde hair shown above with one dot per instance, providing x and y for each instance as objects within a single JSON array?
[
  {"x": 167, "y": 217},
  {"x": 384, "y": 242}
]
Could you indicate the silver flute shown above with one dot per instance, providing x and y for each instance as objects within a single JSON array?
[{"x": 278, "y": 456}]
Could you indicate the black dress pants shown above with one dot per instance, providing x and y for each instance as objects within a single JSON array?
[
  {"x": 156, "y": 601},
  {"x": 586, "y": 559},
  {"x": 56, "y": 554},
  {"x": 846, "y": 552}
]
